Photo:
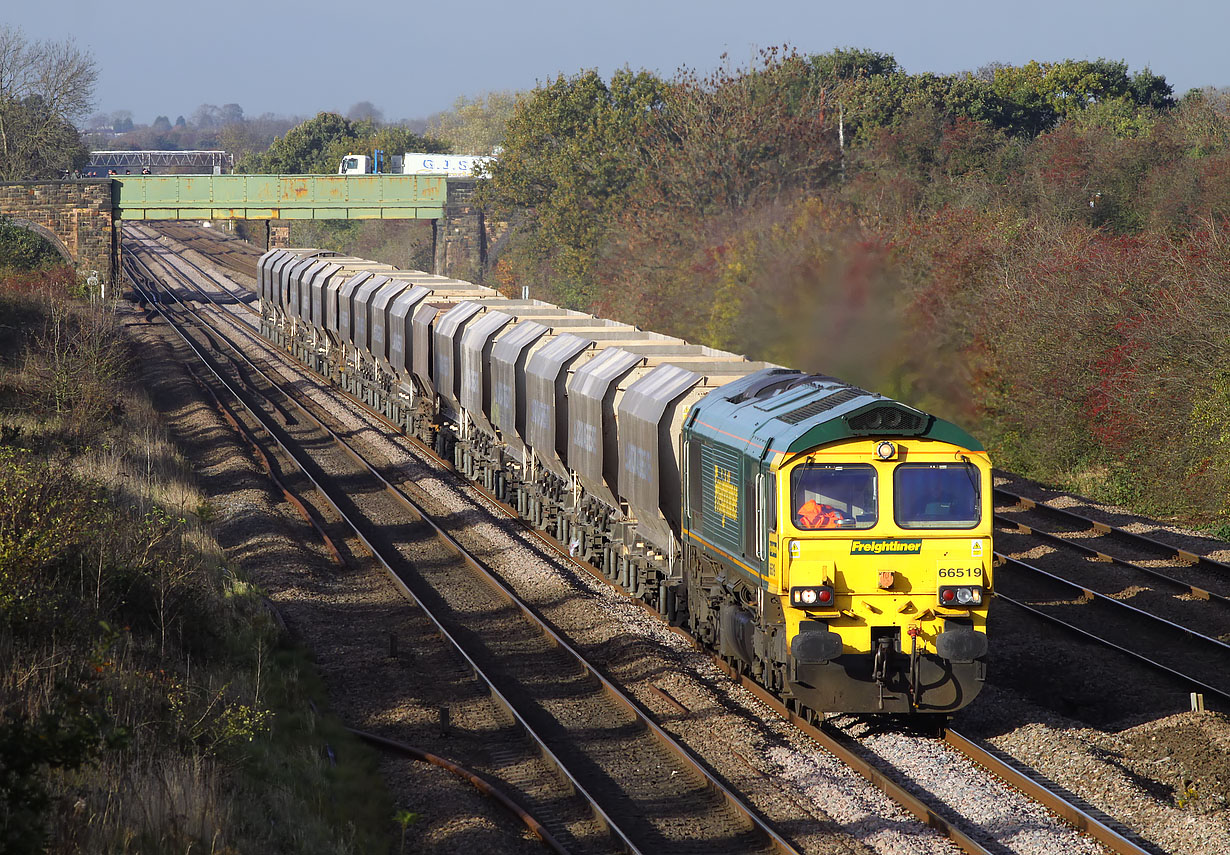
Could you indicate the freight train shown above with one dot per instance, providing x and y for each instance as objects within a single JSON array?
[{"x": 832, "y": 543}]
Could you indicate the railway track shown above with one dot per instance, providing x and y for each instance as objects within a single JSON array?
[
  {"x": 1203, "y": 577},
  {"x": 229, "y": 252},
  {"x": 1072, "y": 814},
  {"x": 642, "y": 786},
  {"x": 1171, "y": 614}
]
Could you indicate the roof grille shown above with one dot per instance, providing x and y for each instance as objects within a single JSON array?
[
  {"x": 826, "y": 403},
  {"x": 887, "y": 419}
]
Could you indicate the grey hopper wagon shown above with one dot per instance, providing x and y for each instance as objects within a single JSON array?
[
  {"x": 273, "y": 284},
  {"x": 509, "y": 358},
  {"x": 478, "y": 343},
  {"x": 264, "y": 273},
  {"x": 448, "y": 332},
  {"x": 399, "y": 330},
  {"x": 594, "y": 392},
  {"x": 420, "y": 347},
  {"x": 270, "y": 276},
  {"x": 378, "y": 319},
  {"x": 591, "y": 435},
  {"x": 343, "y": 324},
  {"x": 338, "y": 295},
  {"x": 317, "y": 280},
  {"x": 446, "y": 344},
  {"x": 291, "y": 275},
  {"x": 304, "y": 312},
  {"x": 287, "y": 289},
  {"x": 547, "y": 373},
  {"x": 360, "y": 311}
]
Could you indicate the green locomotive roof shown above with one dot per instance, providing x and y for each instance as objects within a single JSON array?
[{"x": 782, "y": 411}]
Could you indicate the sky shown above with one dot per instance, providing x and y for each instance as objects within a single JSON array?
[{"x": 412, "y": 59}]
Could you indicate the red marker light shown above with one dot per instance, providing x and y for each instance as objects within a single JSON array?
[
  {"x": 948, "y": 595},
  {"x": 826, "y": 596}
]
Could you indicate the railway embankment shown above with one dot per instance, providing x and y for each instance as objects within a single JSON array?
[{"x": 149, "y": 696}]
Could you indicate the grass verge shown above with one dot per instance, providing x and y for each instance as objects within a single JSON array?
[{"x": 150, "y": 701}]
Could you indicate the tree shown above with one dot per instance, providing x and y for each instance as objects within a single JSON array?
[
  {"x": 318, "y": 145},
  {"x": 206, "y": 117},
  {"x": 304, "y": 148},
  {"x": 849, "y": 63},
  {"x": 22, "y": 249},
  {"x": 570, "y": 155},
  {"x": 739, "y": 138},
  {"x": 1151, "y": 90},
  {"x": 1038, "y": 95},
  {"x": 475, "y": 126},
  {"x": 365, "y": 111},
  {"x": 44, "y": 87},
  {"x": 162, "y": 124}
]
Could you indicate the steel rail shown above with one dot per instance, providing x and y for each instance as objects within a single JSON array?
[
  {"x": 240, "y": 296},
  {"x": 478, "y": 781},
  {"x": 841, "y": 747},
  {"x": 777, "y": 842},
  {"x": 148, "y": 232},
  {"x": 838, "y": 745},
  {"x": 1008, "y": 772},
  {"x": 383, "y": 743},
  {"x": 405, "y": 591},
  {"x": 1181, "y": 556},
  {"x": 237, "y": 254},
  {"x": 1187, "y": 678},
  {"x": 1146, "y": 617},
  {"x": 1054, "y": 537}
]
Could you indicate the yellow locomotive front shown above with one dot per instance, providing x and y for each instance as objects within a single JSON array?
[
  {"x": 837, "y": 544},
  {"x": 882, "y": 556}
]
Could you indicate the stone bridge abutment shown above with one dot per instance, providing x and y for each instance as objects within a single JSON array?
[{"x": 74, "y": 216}]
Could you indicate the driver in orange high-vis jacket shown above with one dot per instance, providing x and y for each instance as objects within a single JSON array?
[{"x": 815, "y": 515}]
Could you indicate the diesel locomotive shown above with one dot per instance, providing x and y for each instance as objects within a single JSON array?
[{"x": 830, "y": 542}]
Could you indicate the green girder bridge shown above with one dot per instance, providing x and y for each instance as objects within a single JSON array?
[
  {"x": 279, "y": 197},
  {"x": 82, "y": 218}
]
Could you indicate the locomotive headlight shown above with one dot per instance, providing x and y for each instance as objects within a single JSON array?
[
  {"x": 820, "y": 596},
  {"x": 886, "y": 450}
]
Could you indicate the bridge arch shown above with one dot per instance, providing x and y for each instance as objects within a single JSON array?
[{"x": 47, "y": 235}]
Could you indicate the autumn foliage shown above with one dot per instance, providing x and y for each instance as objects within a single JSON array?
[{"x": 1038, "y": 252}]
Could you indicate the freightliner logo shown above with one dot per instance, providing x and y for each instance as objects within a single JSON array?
[{"x": 884, "y": 546}]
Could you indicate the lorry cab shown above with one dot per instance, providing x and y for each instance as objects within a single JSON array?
[{"x": 355, "y": 164}]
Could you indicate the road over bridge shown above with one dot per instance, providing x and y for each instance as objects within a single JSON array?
[{"x": 82, "y": 218}]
